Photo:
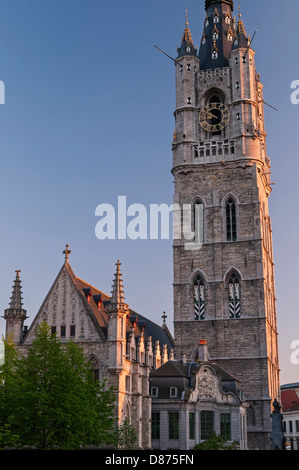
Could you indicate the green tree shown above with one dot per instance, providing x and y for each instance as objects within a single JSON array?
[
  {"x": 7, "y": 437},
  {"x": 51, "y": 399},
  {"x": 127, "y": 437},
  {"x": 216, "y": 443}
]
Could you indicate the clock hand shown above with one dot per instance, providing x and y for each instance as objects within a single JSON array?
[{"x": 212, "y": 116}]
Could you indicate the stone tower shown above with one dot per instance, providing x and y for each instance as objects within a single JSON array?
[
  {"x": 15, "y": 315},
  {"x": 224, "y": 290},
  {"x": 129, "y": 365}
]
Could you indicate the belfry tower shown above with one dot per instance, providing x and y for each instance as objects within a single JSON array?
[{"x": 224, "y": 289}]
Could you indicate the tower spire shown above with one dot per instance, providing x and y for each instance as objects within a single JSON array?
[
  {"x": 242, "y": 39},
  {"x": 187, "y": 37},
  {"x": 208, "y": 3},
  {"x": 187, "y": 46},
  {"x": 15, "y": 315},
  {"x": 16, "y": 298},
  {"x": 218, "y": 35},
  {"x": 117, "y": 296}
]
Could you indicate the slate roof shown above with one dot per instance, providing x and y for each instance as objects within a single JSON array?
[
  {"x": 222, "y": 44},
  {"x": 208, "y": 3},
  {"x": 150, "y": 328},
  {"x": 177, "y": 368},
  {"x": 182, "y": 375},
  {"x": 289, "y": 400},
  {"x": 95, "y": 302}
]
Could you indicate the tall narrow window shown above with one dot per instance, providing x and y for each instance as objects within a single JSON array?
[
  {"x": 192, "y": 426},
  {"x": 199, "y": 299},
  {"x": 231, "y": 221},
  {"x": 95, "y": 368},
  {"x": 206, "y": 424},
  {"x": 155, "y": 425},
  {"x": 173, "y": 425},
  {"x": 197, "y": 222},
  {"x": 225, "y": 427},
  {"x": 234, "y": 296},
  {"x": 73, "y": 330}
]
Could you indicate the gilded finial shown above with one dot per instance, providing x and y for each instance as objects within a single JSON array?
[{"x": 187, "y": 33}]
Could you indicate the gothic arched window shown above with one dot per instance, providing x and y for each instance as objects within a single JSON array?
[
  {"x": 199, "y": 298},
  {"x": 197, "y": 221},
  {"x": 234, "y": 296},
  {"x": 231, "y": 221},
  {"x": 95, "y": 368}
]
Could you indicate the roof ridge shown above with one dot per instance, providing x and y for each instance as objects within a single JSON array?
[
  {"x": 93, "y": 287},
  {"x": 173, "y": 362}
]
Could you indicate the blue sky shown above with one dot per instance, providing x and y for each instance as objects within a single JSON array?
[{"x": 89, "y": 116}]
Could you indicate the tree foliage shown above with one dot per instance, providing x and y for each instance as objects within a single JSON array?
[
  {"x": 50, "y": 400},
  {"x": 216, "y": 443},
  {"x": 127, "y": 437}
]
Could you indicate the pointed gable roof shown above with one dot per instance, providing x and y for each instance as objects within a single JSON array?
[
  {"x": 65, "y": 270},
  {"x": 94, "y": 303}
]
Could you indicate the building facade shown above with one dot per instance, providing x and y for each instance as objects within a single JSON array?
[
  {"x": 290, "y": 410},
  {"x": 191, "y": 400},
  {"x": 224, "y": 288},
  {"x": 121, "y": 345}
]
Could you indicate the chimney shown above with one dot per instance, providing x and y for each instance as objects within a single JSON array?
[{"x": 203, "y": 354}]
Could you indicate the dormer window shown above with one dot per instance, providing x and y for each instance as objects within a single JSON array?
[
  {"x": 188, "y": 49},
  {"x": 207, "y": 21},
  {"x": 227, "y": 19},
  {"x": 229, "y": 35},
  {"x": 214, "y": 55},
  {"x": 236, "y": 42},
  {"x": 216, "y": 16},
  {"x": 215, "y": 33},
  {"x": 154, "y": 392},
  {"x": 173, "y": 392},
  {"x": 203, "y": 40}
]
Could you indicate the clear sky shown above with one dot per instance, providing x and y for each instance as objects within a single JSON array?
[{"x": 88, "y": 116}]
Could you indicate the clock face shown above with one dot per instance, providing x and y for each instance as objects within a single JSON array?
[{"x": 214, "y": 117}]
